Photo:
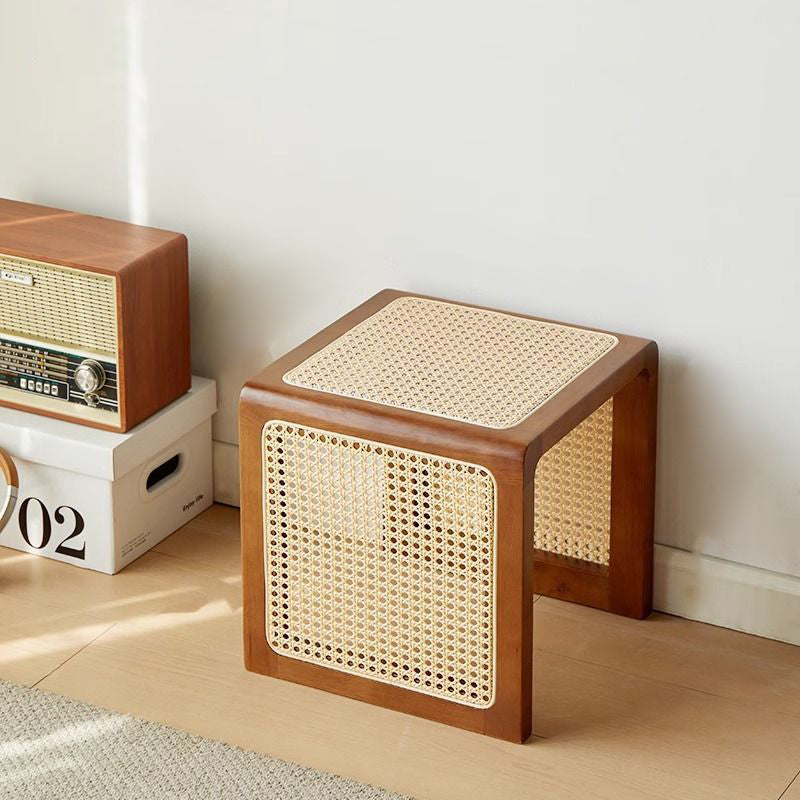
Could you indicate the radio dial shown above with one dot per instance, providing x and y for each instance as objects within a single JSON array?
[{"x": 89, "y": 377}]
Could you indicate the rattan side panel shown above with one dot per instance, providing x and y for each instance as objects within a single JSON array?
[
  {"x": 572, "y": 492},
  {"x": 380, "y": 562},
  {"x": 77, "y": 308}
]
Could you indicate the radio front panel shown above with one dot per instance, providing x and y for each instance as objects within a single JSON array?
[
  {"x": 51, "y": 378},
  {"x": 58, "y": 340}
]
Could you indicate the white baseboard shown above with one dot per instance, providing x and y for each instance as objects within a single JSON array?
[
  {"x": 727, "y": 594},
  {"x": 686, "y": 584},
  {"x": 226, "y": 473}
]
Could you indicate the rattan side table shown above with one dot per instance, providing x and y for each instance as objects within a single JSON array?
[{"x": 413, "y": 474}]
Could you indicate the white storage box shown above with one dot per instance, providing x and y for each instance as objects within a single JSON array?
[{"x": 98, "y": 499}]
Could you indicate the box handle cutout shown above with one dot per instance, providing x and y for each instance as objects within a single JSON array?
[{"x": 163, "y": 472}]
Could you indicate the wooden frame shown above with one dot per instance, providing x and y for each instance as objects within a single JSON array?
[
  {"x": 150, "y": 267},
  {"x": 628, "y": 372},
  {"x": 625, "y": 586}
]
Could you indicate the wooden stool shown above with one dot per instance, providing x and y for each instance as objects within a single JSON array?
[{"x": 389, "y": 467}]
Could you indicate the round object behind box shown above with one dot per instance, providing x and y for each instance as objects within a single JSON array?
[{"x": 9, "y": 470}]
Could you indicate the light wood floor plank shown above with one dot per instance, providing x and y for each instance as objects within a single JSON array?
[
  {"x": 35, "y": 638},
  {"x": 726, "y": 663},
  {"x": 659, "y": 709},
  {"x": 619, "y": 735},
  {"x": 212, "y": 538}
]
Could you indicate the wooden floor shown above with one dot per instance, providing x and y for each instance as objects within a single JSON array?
[{"x": 659, "y": 709}]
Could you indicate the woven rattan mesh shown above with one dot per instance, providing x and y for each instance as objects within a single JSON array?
[
  {"x": 453, "y": 361},
  {"x": 379, "y": 562},
  {"x": 572, "y": 492},
  {"x": 73, "y": 307}
]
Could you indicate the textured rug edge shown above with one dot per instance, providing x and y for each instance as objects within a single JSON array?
[{"x": 52, "y": 699}]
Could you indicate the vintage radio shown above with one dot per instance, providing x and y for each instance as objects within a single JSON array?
[{"x": 94, "y": 316}]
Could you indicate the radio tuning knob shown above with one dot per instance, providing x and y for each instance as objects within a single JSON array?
[{"x": 89, "y": 376}]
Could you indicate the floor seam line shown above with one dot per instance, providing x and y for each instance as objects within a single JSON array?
[
  {"x": 69, "y": 658},
  {"x": 791, "y": 783}
]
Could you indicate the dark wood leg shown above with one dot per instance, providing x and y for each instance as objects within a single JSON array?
[
  {"x": 512, "y": 713},
  {"x": 630, "y": 570}
]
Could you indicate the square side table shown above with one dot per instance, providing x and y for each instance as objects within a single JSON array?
[{"x": 412, "y": 474}]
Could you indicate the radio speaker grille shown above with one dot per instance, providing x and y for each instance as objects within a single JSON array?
[
  {"x": 380, "y": 562},
  {"x": 69, "y": 306},
  {"x": 572, "y": 493}
]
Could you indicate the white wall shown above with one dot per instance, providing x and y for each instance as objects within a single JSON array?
[{"x": 630, "y": 165}]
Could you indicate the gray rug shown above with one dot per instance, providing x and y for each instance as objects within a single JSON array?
[{"x": 55, "y": 748}]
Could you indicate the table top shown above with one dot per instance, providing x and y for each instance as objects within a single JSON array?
[{"x": 474, "y": 365}]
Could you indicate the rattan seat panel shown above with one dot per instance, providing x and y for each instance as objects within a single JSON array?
[
  {"x": 572, "y": 491},
  {"x": 469, "y": 364},
  {"x": 380, "y": 562}
]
